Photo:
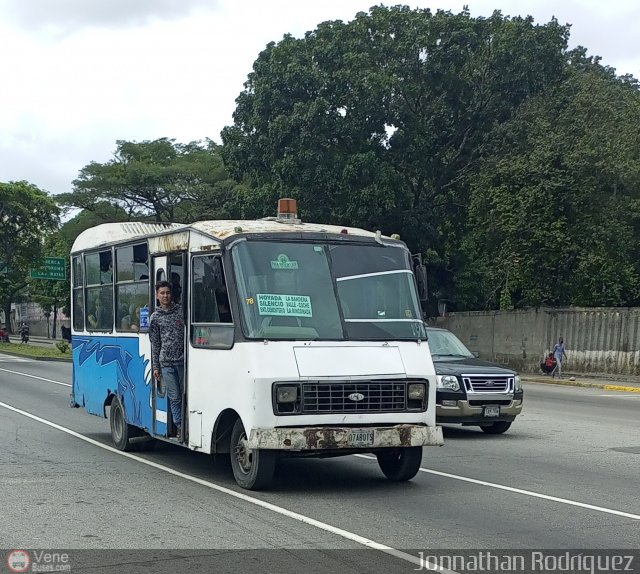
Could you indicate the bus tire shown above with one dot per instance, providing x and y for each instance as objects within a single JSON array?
[
  {"x": 252, "y": 469},
  {"x": 121, "y": 432},
  {"x": 400, "y": 464},
  {"x": 498, "y": 427}
]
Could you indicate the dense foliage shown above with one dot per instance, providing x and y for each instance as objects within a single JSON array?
[
  {"x": 508, "y": 160},
  {"x": 159, "y": 180},
  {"x": 27, "y": 215},
  {"x": 554, "y": 205}
]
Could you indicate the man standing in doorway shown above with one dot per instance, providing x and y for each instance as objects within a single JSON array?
[
  {"x": 166, "y": 331},
  {"x": 560, "y": 355}
]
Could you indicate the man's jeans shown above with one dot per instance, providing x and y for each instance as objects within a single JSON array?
[{"x": 173, "y": 377}]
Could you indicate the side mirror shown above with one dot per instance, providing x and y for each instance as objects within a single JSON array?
[{"x": 420, "y": 272}]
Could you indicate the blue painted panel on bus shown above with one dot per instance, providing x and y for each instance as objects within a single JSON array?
[{"x": 105, "y": 365}]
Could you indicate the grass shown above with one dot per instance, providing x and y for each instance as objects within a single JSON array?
[{"x": 36, "y": 351}]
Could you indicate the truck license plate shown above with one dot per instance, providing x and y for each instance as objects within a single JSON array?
[
  {"x": 360, "y": 438},
  {"x": 492, "y": 411}
]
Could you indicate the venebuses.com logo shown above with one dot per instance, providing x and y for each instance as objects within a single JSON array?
[
  {"x": 38, "y": 561},
  {"x": 18, "y": 561}
]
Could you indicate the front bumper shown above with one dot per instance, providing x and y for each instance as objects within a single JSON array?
[
  {"x": 336, "y": 438},
  {"x": 463, "y": 412}
]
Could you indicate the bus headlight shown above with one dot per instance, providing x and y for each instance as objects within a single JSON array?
[
  {"x": 416, "y": 391},
  {"x": 448, "y": 382},
  {"x": 517, "y": 383},
  {"x": 287, "y": 394},
  {"x": 286, "y": 398}
]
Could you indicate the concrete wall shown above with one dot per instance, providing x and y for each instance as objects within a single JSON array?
[
  {"x": 32, "y": 314},
  {"x": 598, "y": 340}
]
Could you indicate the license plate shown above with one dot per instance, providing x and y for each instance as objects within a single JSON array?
[
  {"x": 492, "y": 411},
  {"x": 360, "y": 438}
]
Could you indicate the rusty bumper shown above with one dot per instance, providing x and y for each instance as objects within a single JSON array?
[{"x": 331, "y": 438}]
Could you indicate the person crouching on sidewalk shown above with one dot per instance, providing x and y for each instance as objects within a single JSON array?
[{"x": 548, "y": 364}]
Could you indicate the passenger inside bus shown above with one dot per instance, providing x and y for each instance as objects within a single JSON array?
[
  {"x": 222, "y": 302},
  {"x": 101, "y": 316},
  {"x": 176, "y": 289}
]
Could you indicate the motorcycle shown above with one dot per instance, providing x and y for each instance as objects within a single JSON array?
[{"x": 24, "y": 336}]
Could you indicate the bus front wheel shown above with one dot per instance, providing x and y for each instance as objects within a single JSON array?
[
  {"x": 252, "y": 469},
  {"x": 121, "y": 432},
  {"x": 400, "y": 464}
]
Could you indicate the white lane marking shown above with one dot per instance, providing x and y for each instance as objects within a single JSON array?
[
  {"x": 417, "y": 560},
  {"x": 619, "y": 396},
  {"x": 34, "y": 377},
  {"x": 14, "y": 359},
  {"x": 525, "y": 492}
]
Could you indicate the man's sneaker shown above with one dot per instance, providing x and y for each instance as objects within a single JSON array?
[{"x": 179, "y": 434}]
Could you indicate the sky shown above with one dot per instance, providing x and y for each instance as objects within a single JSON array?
[{"x": 77, "y": 75}]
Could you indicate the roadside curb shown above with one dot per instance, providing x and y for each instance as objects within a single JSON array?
[
  {"x": 568, "y": 383},
  {"x": 621, "y": 388}
]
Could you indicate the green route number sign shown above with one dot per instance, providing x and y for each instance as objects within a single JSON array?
[{"x": 55, "y": 268}]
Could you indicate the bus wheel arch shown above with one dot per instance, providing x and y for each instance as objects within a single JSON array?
[
  {"x": 107, "y": 403},
  {"x": 221, "y": 439}
]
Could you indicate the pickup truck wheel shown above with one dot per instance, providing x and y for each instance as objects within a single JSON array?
[
  {"x": 252, "y": 469},
  {"x": 498, "y": 427},
  {"x": 400, "y": 464}
]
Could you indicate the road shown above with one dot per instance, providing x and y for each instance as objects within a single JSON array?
[{"x": 565, "y": 476}]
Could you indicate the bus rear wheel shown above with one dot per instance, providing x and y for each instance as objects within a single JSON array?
[
  {"x": 252, "y": 469},
  {"x": 121, "y": 432},
  {"x": 400, "y": 464}
]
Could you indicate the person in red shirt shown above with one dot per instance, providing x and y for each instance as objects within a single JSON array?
[{"x": 548, "y": 364}]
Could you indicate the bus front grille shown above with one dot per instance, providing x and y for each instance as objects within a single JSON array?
[{"x": 368, "y": 397}]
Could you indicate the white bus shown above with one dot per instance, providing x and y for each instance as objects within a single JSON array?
[{"x": 301, "y": 340}]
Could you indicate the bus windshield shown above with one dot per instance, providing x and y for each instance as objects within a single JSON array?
[{"x": 326, "y": 291}]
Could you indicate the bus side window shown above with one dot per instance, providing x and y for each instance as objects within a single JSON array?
[
  {"x": 132, "y": 286},
  {"x": 99, "y": 291},
  {"x": 211, "y": 312},
  {"x": 78, "y": 294}
]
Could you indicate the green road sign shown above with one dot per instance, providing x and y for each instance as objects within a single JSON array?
[{"x": 55, "y": 268}]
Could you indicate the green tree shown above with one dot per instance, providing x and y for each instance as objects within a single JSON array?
[
  {"x": 556, "y": 204},
  {"x": 159, "y": 180},
  {"x": 27, "y": 215},
  {"x": 53, "y": 295},
  {"x": 380, "y": 122}
]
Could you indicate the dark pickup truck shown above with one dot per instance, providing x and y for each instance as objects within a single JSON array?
[{"x": 471, "y": 391}]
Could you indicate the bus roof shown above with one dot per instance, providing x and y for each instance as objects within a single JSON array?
[{"x": 110, "y": 233}]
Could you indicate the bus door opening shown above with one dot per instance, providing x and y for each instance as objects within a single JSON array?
[{"x": 169, "y": 268}]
